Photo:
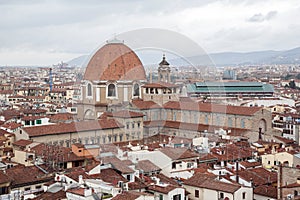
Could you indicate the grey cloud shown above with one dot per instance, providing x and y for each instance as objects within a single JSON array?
[
  {"x": 271, "y": 15},
  {"x": 259, "y": 17},
  {"x": 256, "y": 18},
  {"x": 77, "y": 26}
]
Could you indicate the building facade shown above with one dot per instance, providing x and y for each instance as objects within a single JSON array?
[{"x": 114, "y": 76}]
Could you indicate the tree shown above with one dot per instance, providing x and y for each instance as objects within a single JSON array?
[
  {"x": 292, "y": 84},
  {"x": 288, "y": 76}
]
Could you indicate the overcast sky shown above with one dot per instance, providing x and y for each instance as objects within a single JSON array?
[{"x": 45, "y": 32}]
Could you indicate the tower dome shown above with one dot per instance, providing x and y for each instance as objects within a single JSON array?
[{"x": 114, "y": 61}]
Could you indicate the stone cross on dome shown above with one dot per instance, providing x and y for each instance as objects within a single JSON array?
[{"x": 115, "y": 40}]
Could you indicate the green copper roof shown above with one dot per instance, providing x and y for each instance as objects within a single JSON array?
[{"x": 229, "y": 87}]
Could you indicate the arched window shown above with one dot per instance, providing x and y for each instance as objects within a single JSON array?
[
  {"x": 111, "y": 90},
  {"x": 89, "y": 89},
  {"x": 263, "y": 125},
  {"x": 136, "y": 90}
]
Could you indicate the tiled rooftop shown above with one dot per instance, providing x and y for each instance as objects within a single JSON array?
[
  {"x": 72, "y": 127},
  {"x": 209, "y": 107}
]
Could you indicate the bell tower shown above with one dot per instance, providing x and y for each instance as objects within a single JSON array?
[{"x": 164, "y": 71}]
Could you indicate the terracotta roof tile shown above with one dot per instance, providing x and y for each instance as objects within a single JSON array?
[
  {"x": 61, "y": 117},
  {"x": 21, "y": 175},
  {"x": 117, "y": 164},
  {"x": 11, "y": 125},
  {"x": 138, "y": 183},
  {"x": 33, "y": 111},
  {"x": 259, "y": 176},
  {"x": 76, "y": 172},
  {"x": 22, "y": 143},
  {"x": 164, "y": 179},
  {"x": 127, "y": 162},
  {"x": 30, "y": 118},
  {"x": 4, "y": 178},
  {"x": 125, "y": 114},
  {"x": 266, "y": 190},
  {"x": 6, "y": 91},
  {"x": 292, "y": 185},
  {"x": 11, "y": 113},
  {"x": 144, "y": 105},
  {"x": 3, "y": 132},
  {"x": 192, "y": 126},
  {"x": 209, "y": 107},
  {"x": 35, "y": 97},
  {"x": 114, "y": 61},
  {"x": 109, "y": 175},
  {"x": 72, "y": 127},
  {"x": 248, "y": 164},
  {"x": 78, "y": 191},
  {"x": 179, "y": 153},
  {"x": 16, "y": 96},
  {"x": 285, "y": 140},
  {"x": 162, "y": 189},
  {"x": 160, "y": 85},
  {"x": 129, "y": 195},
  {"x": 232, "y": 152},
  {"x": 147, "y": 166},
  {"x": 62, "y": 153},
  {"x": 202, "y": 181}
]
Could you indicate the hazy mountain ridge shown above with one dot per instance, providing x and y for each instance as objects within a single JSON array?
[{"x": 291, "y": 56}]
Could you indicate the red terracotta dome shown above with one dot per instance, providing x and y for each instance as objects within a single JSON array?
[{"x": 114, "y": 61}]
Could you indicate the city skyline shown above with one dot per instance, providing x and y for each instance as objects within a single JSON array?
[{"x": 47, "y": 32}]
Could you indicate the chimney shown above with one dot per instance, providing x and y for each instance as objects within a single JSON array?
[
  {"x": 237, "y": 172},
  {"x": 80, "y": 180},
  {"x": 251, "y": 182},
  {"x": 298, "y": 180},
  {"x": 157, "y": 180}
]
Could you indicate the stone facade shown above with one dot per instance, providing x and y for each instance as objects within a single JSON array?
[
  {"x": 246, "y": 118},
  {"x": 106, "y": 96},
  {"x": 114, "y": 76},
  {"x": 160, "y": 93},
  {"x": 288, "y": 182}
]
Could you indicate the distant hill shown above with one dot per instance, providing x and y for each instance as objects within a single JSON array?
[
  {"x": 291, "y": 56},
  {"x": 260, "y": 57}
]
